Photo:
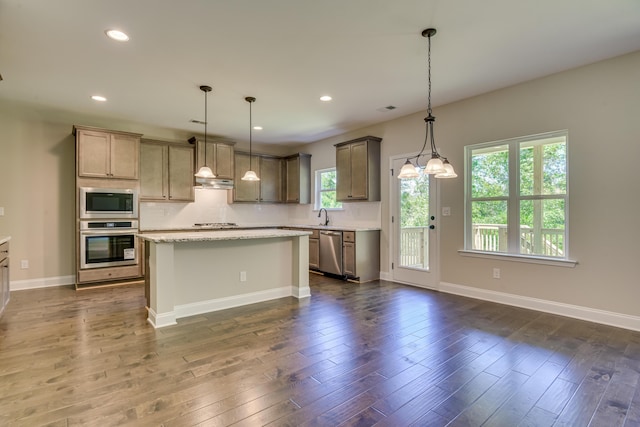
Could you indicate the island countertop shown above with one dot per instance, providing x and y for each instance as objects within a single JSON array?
[{"x": 204, "y": 236}]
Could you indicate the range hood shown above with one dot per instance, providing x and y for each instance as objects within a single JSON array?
[{"x": 214, "y": 183}]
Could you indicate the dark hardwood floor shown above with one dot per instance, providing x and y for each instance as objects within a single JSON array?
[{"x": 351, "y": 355}]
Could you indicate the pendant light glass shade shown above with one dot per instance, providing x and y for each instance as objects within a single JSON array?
[
  {"x": 408, "y": 171},
  {"x": 250, "y": 175},
  {"x": 448, "y": 171},
  {"x": 205, "y": 174},
  {"x": 434, "y": 166}
]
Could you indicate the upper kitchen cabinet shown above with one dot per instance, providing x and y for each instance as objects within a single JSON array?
[
  {"x": 245, "y": 191},
  {"x": 358, "y": 170},
  {"x": 106, "y": 154},
  {"x": 166, "y": 171},
  {"x": 270, "y": 187},
  {"x": 271, "y": 179},
  {"x": 220, "y": 157},
  {"x": 298, "y": 178}
]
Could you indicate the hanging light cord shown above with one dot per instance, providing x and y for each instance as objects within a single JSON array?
[
  {"x": 205, "y": 127},
  {"x": 250, "y": 139}
]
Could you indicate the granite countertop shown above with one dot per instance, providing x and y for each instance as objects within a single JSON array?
[
  {"x": 334, "y": 227},
  {"x": 258, "y": 227},
  {"x": 4, "y": 239},
  {"x": 208, "y": 235}
]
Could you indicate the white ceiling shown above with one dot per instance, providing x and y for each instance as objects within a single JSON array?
[{"x": 367, "y": 54}]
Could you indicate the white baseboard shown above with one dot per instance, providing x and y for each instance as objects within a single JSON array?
[
  {"x": 298, "y": 292},
  {"x": 578, "y": 312},
  {"x": 43, "y": 282},
  {"x": 385, "y": 275},
  {"x": 160, "y": 321},
  {"x": 201, "y": 307}
]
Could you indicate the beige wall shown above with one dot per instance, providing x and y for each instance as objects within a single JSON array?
[{"x": 598, "y": 104}]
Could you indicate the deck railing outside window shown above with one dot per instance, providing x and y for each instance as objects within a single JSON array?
[
  {"x": 486, "y": 237},
  {"x": 493, "y": 238}
]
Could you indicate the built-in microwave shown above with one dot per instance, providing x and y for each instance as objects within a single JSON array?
[{"x": 108, "y": 203}]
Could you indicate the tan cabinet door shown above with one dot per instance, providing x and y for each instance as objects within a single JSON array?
[
  {"x": 153, "y": 171},
  {"x": 343, "y": 172},
  {"x": 270, "y": 179},
  {"x": 124, "y": 151},
  {"x": 224, "y": 161},
  {"x": 349, "y": 259},
  {"x": 293, "y": 180},
  {"x": 314, "y": 253},
  {"x": 181, "y": 170},
  {"x": 245, "y": 191},
  {"x": 359, "y": 177},
  {"x": 93, "y": 154}
]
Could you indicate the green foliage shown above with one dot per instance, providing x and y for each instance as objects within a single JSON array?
[
  {"x": 414, "y": 202},
  {"x": 490, "y": 176},
  {"x": 328, "y": 190}
]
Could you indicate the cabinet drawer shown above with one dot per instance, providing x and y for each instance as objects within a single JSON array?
[
  {"x": 349, "y": 236},
  {"x": 109, "y": 273}
]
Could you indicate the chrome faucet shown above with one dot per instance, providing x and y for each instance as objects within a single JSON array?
[{"x": 326, "y": 216}]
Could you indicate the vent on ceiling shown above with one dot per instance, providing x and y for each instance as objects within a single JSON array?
[{"x": 387, "y": 108}]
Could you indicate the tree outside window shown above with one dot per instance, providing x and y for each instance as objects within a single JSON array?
[
  {"x": 517, "y": 196},
  {"x": 326, "y": 189}
]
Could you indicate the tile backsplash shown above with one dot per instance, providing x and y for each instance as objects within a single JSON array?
[{"x": 212, "y": 206}]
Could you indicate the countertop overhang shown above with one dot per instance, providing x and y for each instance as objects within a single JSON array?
[{"x": 206, "y": 236}]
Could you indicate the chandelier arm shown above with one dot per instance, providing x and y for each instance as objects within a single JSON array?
[{"x": 434, "y": 150}]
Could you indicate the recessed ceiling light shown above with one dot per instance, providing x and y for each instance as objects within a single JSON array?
[
  {"x": 117, "y": 35},
  {"x": 257, "y": 127},
  {"x": 98, "y": 98},
  {"x": 325, "y": 98}
]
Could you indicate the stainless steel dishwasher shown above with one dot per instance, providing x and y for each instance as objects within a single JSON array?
[{"x": 331, "y": 252}]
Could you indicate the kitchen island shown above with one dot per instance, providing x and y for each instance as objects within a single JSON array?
[{"x": 191, "y": 273}]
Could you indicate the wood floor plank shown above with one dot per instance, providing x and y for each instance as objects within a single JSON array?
[{"x": 352, "y": 355}]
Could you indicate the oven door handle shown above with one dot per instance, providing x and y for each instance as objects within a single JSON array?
[{"x": 108, "y": 232}]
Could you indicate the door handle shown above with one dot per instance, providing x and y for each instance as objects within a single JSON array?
[{"x": 431, "y": 227}]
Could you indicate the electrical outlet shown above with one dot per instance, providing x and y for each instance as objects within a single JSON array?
[
  {"x": 496, "y": 273},
  {"x": 1, "y": 211},
  {"x": 24, "y": 264},
  {"x": 446, "y": 211},
  {"x": 243, "y": 276}
]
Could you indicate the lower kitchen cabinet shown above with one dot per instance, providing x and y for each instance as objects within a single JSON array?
[
  {"x": 4, "y": 276},
  {"x": 314, "y": 250},
  {"x": 361, "y": 255}
]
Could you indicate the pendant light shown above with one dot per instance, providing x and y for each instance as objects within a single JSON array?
[
  {"x": 437, "y": 165},
  {"x": 205, "y": 174},
  {"x": 250, "y": 175}
]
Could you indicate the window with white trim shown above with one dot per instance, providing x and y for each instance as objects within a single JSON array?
[
  {"x": 326, "y": 189},
  {"x": 516, "y": 196}
]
